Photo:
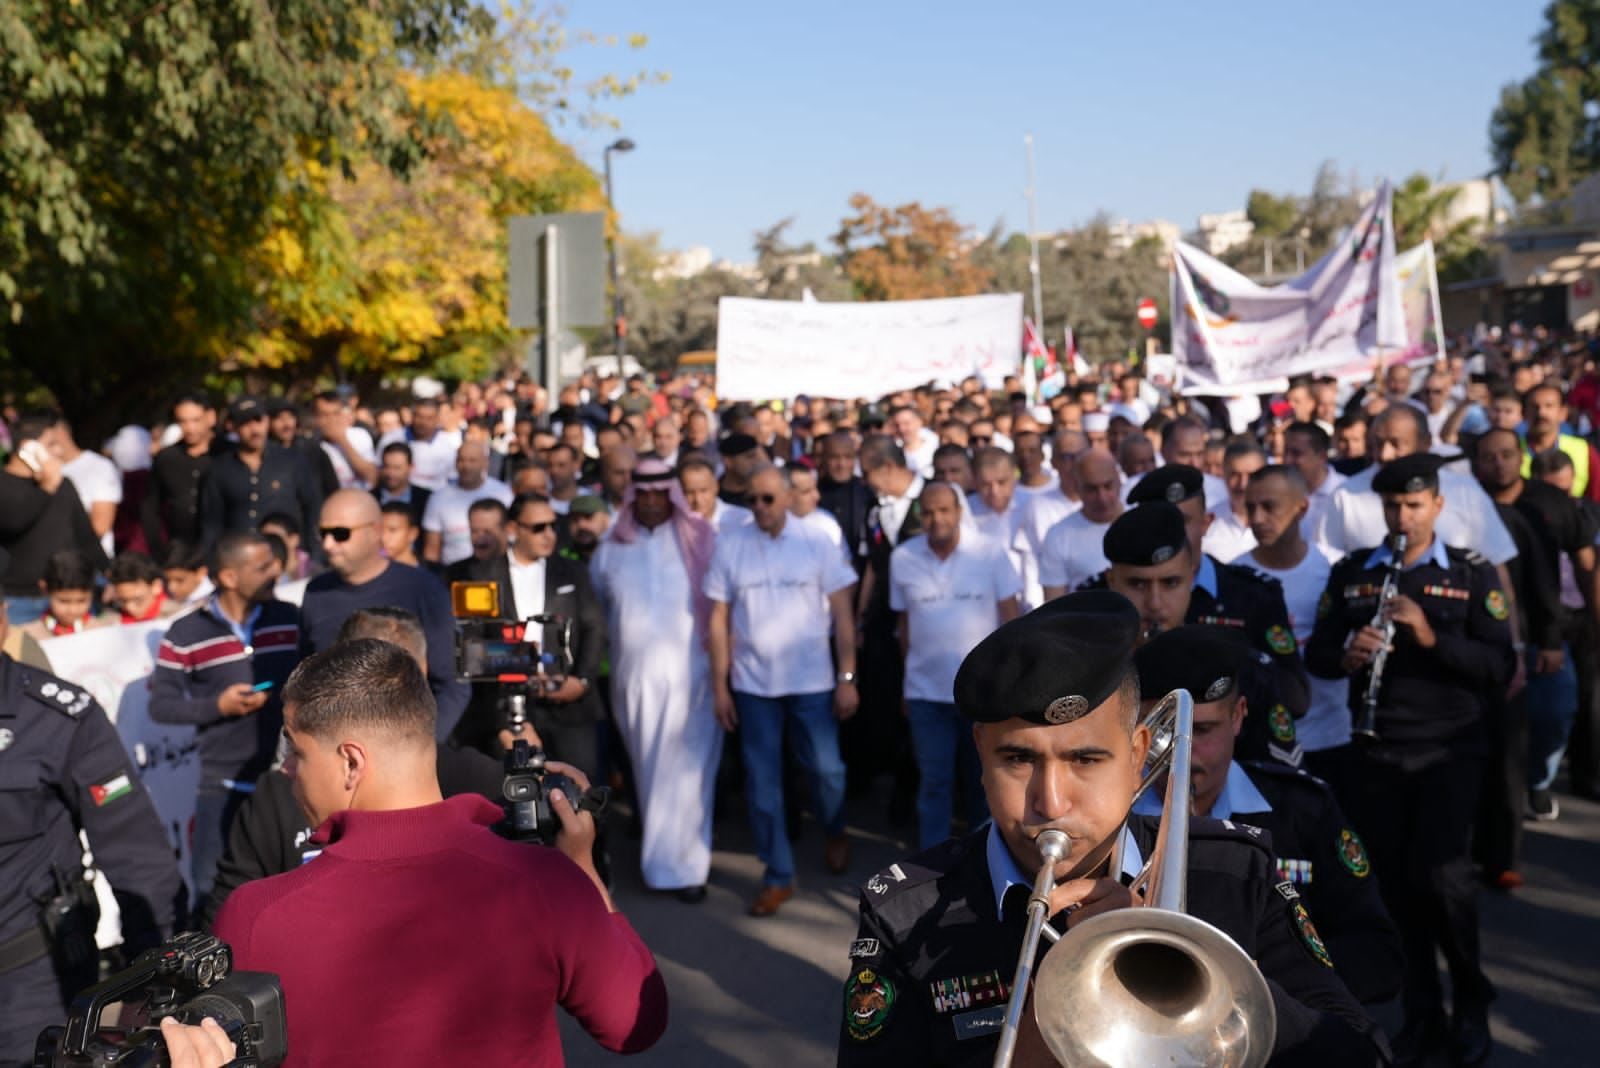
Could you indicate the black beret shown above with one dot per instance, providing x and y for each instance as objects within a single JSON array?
[
  {"x": 1171, "y": 482},
  {"x": 1056, "y": 664},
  {"x": 1409, "y": 474},
  {"x": 1145, "y": 536},
  {"x": 1205, "y": 660},
  {"x": 736, "y": 444}
]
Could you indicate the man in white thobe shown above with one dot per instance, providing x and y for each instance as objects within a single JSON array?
[{"x": 648, "y": 572}]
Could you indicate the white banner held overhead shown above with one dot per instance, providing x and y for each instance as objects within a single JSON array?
[
  {"x": 770, "y": 349},
  {"x": 1227, "y": 330}
]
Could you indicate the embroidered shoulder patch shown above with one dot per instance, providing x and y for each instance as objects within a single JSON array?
[
  {"x": 1308, "y": 934},
  {"x": 1353, "y": 855},
  {"x": 1279, "y": 640},
  {"x": 1324, "y": 605},
  {"x": 104, "y": 793},
  {"x": 868, "y": 1000},
  {"x": 1495, "y": 604},
  {"x": 1281, "y": 723}
]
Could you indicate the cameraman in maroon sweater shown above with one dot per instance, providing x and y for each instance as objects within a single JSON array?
[{"x": 418, "y": 936}]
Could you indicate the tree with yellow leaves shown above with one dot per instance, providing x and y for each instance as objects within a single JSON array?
[
  {"x": 908, "y": 252},
  {"x": 375, "y": 273}
]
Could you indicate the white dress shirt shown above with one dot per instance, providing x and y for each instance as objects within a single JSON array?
[{"x": 527, "y": 585}]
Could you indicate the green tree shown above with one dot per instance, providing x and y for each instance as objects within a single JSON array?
[
  {"x": 144, "y": 147},
  {"x": 1545, "y": 133},
  {"x": 1272, "y": 215}
]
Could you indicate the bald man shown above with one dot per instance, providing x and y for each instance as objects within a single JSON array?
[
  {"x": 361, "y": 577},
  {"x": 1072, "y": 552},
  {"x": 446, "y": 536}
]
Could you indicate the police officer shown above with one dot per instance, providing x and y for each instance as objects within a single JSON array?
[
  {"x": 1154, "y": 558},
  {"x": 1317, "y": 848},
  {"x": 1240, "y": 597},
  {"x": 62, "y": 770},
  {"x": 1054, "y": 699},
  {"x": 1415, "y": 793}
]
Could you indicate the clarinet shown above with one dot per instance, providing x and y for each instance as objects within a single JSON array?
[{"x": 1366, "y": 729}]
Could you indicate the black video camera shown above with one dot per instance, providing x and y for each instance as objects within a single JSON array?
[
  {"x": 118, "y": 1022},
  {"x": 526, "y": 793}
]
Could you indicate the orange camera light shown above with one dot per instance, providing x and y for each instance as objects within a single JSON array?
[{"x": 475, "y": 599}]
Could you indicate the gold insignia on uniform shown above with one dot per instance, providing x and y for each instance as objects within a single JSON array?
[
  {"x": 1279, "y": 640},
  {"x": 1308, "y": 934},
  {"x": 1281, "y": 722},
  {"x": 868, "y": 999},
  {"x": 1067, "y": 709},
  {"x": 1353, "y": 855},
  {"x": 1495, "y": 604}
]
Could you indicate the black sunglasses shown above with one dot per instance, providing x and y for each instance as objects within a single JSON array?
[
  {"x": 536, "y": 528},
  {"x": 340, "y": 534},
  {"x": 764, "y": 498},
  {"x": 982, "y": 439}
]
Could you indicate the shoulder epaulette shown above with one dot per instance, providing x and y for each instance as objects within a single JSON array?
[
  {"x": 1283, "y": 773},
  {"x": 1245, "y": 571},
  {"x": 70, "y": 700},
  {"x": 919, "y": 870}
]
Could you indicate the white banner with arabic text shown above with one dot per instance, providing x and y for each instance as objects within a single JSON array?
[{"x": 770, "y": 349}]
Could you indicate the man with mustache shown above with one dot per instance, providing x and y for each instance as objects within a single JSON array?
[{"x": 1054, "y": 697}]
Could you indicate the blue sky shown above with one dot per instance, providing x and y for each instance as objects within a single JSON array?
[{"x": 1143, "y": 110}]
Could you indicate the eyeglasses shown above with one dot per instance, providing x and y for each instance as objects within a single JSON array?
[
  {"x": 765, "y": 498},
  {"x": 340, "y": 534},
  {"x": 537, "y": 528},
  {"x": 982, "y": 439}
]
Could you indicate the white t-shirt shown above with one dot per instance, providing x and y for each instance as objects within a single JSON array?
[
  {"x": 1327, "y": 722},
  {"x": 97, "y": 480},
  {"x": 433, "y": 462},
  {"x": 1005, "y": 530},
  {"x": 527, "y": 585},
  {"x": 1074, "y": 552},
  {"x": 950, "y": 606},
  {"x": 1041, "y": 512},
  {"x": 1317, "y": 509},
  {"x": 778, "y": 588},
  {"x": 893, "y": 511},
  {"x": 728, "y": 516},
  {"x": 1354, "y": 519},
  {"x": 1228, "y": 538},
  {"x": 919, "y": 453},
  {"x": 820, "y": 521},
  {"x": 361, "y": 442},
  {"x": 446, "y": 515}
]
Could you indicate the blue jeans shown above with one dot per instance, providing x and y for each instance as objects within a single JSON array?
[
  {"x": 1552, "y": 706},
  {"x": 942, "y": 740},
  {"x": 214, "y": 808},
  {"x": 816, "y": 744},
  {"x": 20, "y": 610}
]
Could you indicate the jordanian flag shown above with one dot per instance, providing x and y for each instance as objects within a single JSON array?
[{"x": 110, "y": 790}]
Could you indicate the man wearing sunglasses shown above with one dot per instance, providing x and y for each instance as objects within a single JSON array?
[
  {"x": 361, "y": 577},
  {"x": 533, "y": 581}
]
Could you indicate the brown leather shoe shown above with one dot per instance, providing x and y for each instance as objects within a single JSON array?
[
  {"x": 767, "y": 902},
  {"x": 836, "y": 854}
]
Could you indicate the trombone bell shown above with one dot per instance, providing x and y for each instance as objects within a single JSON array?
[{"x": 1144, "y": 986}]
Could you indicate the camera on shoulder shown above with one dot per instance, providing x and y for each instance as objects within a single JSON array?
[{"x": 190, "y": 977}]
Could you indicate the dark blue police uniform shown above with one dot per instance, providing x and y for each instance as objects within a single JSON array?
[{"x": 63, "y": 769}]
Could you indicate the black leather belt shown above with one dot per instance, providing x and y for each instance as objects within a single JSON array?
[{"x": 24, "y": 948}]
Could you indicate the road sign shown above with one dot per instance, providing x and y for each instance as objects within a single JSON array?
[
  {"x": 1147, "y": 313},
  {"x": 579, "y": 283}
]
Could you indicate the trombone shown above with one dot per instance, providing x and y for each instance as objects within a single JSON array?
[{"x": 1150, "y": 984}]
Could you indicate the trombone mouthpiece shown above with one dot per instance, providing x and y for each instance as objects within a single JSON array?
[{"x": 1052, "y": 845}]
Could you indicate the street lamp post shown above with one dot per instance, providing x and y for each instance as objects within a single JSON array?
[{"x": 619, "y": 325}]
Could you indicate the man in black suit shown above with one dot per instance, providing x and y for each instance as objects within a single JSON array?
[
  {"x": 394, "y": 481},
  {"x": 533, "y": 581}
]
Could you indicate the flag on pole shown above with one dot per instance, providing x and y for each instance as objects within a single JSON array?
[
  {"x": 1034, "y": 356},
  {"x": 1070, "y": 357}
]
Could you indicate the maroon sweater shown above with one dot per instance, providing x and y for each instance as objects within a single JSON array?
[{"x": 419, "y": 937}]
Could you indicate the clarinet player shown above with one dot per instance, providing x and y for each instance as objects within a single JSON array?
[{"x": 1414, "y": 793}]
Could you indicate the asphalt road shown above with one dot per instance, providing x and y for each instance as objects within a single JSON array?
[{"x": 768, "y": 992}]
